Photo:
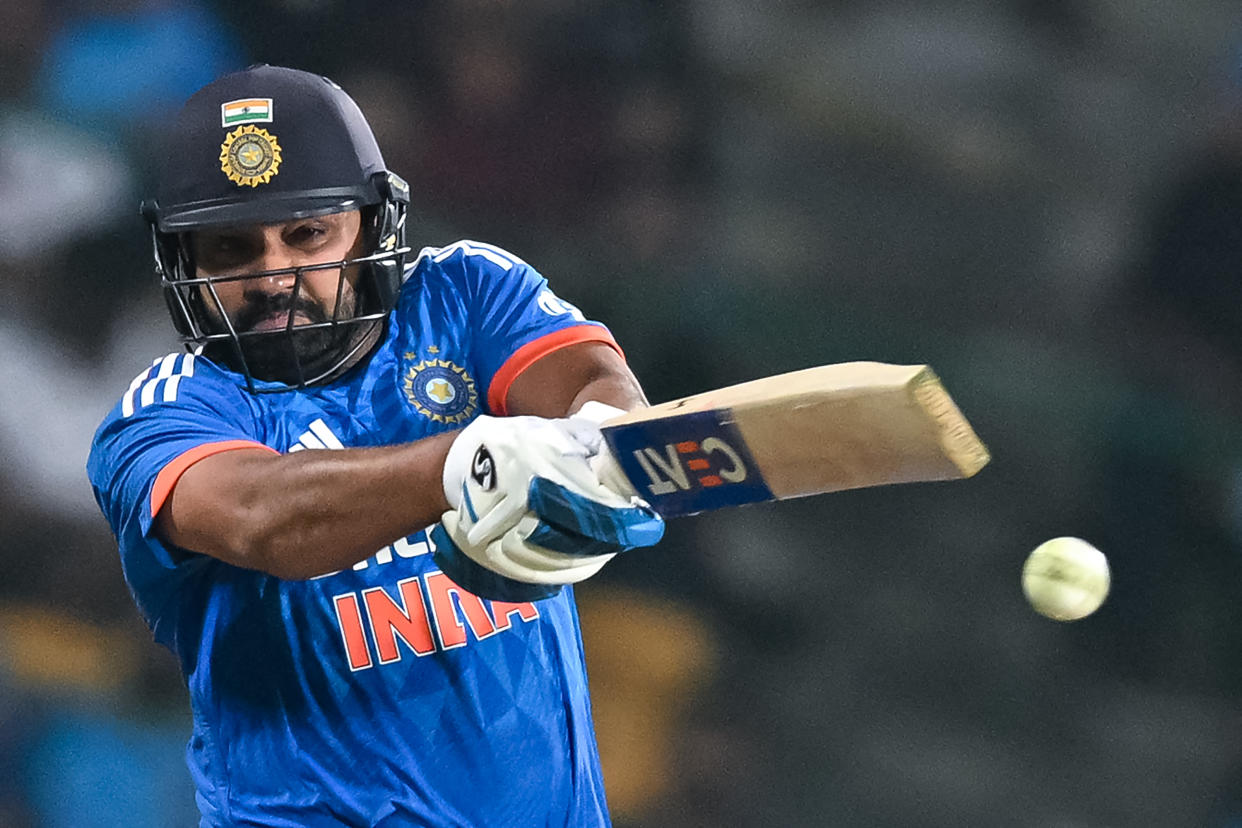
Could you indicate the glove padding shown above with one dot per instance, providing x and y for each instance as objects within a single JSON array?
[
  {"x": 483, "y": 582},
  {"x": 561, "y": 527},
  {"x": 565, "y": 538},
  {"x": 491, "y": 463}
]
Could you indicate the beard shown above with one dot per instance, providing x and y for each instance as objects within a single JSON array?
[
  {"x": 273, "y": 352},
  {"x": 299, "y": 357}
]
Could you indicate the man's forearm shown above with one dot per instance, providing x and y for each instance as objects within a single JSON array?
[
  {"x": 620, "y": 390},
  {"x": 303, "y": 514}
]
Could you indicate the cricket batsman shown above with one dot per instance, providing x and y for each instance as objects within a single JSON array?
[{"x": 354, "y": 507}]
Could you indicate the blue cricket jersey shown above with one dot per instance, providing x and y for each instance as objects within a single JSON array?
[{"x": 382, "y": 694}]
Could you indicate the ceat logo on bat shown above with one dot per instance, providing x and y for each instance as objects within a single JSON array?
[
  {"x": 688, "y": 463},
  {"x": 682, "y": 465}
]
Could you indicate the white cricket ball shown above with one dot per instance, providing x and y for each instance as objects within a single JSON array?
[{"x": 1065, "y": 578}]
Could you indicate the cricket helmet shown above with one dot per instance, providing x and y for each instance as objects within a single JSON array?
[{"x": 267, "y": 145}]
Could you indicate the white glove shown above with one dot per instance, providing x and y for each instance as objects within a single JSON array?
[
  {"x": 588, "y": 418},
  {"x": 491, "y": 463},
  {"x": 515, "y": 556},
  {"x": 528, "y": 507}
]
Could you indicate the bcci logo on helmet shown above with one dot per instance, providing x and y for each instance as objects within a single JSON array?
[{"x": 250, "y": 156}]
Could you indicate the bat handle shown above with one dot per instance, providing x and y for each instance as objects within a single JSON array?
[{"x": 609, "y": 472}]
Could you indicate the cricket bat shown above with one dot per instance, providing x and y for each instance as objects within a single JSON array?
[{"x": 824, "y": 429}]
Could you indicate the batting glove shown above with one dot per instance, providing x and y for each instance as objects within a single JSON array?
[{"x": 529, "y": 513}]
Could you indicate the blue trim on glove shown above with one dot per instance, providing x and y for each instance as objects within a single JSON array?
[
  {"x": 468, "y": 503},
  {"x": 618, "y": 528},
  {"x": 483, "y": 582},
  {"x": 561, "y": 540}
]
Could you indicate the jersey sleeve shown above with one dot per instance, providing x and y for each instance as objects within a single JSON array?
[
  {"x": 170, "y": 418},
  {"x": 515, "y": 319}
]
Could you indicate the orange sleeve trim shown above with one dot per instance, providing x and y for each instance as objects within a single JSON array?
[
  {"x": 171, "y": 473},
  {"x": 532, "y": 352}
]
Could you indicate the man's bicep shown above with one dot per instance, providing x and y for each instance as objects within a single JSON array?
[
  {"x": 197, "y": 497},
  {"x": 561, "y": 381}
]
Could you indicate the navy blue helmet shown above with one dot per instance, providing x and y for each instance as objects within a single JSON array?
[{"x": 263, "y": 146}]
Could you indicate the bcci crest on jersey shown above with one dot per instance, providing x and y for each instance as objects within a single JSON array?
[{"x": 441, "y": 391}]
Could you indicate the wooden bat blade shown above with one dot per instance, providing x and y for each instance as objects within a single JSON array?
[{"x": 824, "y": 429}]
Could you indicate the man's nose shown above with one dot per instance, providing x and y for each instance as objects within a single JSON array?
[{"x": 276, "y": 255}]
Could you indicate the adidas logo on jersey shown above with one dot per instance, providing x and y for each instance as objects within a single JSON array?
[{"x": 318, "y": 436}]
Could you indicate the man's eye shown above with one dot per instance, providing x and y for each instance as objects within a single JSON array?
[
  {"x": 223, "y": 245},
  {"x": 309, "y": 232}
]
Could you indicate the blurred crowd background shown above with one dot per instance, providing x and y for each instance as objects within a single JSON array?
[{"x": 1040, "y": 198}]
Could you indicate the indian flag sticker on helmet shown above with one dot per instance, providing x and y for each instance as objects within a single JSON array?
[
  {"x": 250, "y": 156},
  {"x": 246, "y": 111}
]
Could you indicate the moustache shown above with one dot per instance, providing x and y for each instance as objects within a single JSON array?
[{"x": 260, "y": 306}]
